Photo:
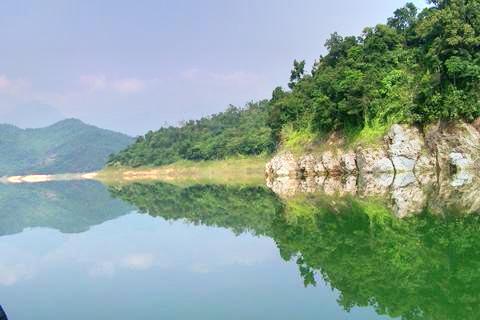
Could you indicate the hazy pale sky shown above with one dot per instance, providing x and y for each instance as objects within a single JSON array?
[{"x": 133, "y": 66}]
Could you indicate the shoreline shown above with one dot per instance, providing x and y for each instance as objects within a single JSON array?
[{"x": 38, "y": 178}]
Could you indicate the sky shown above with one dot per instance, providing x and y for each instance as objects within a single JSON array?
[{"x": 134, "y": 66}]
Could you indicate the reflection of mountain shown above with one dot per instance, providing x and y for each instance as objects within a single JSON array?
[
  {"x": 421, "y": 267},
  {"x": 65, "y": 147},
  {"x": 69, "y": 207}
]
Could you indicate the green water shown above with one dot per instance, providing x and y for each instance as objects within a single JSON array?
[{"x": 79, "y": 250}]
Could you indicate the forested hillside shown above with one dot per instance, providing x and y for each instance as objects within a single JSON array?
[
  {"x": 237, "y": 131},
  {"x": 416, "y": 68},
  {"x": 65, "y": 147}
]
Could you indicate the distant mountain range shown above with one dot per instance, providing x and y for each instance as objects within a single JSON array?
[{"x": 66, "y": 146}]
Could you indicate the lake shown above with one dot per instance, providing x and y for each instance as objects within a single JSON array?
[{"x": 82, "y": 250}]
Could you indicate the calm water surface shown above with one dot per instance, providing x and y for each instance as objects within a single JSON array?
[{"x": 81, "y": 251}]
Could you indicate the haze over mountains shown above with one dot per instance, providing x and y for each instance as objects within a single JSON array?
[
  {"x": 67, "y": 146},
  {"x": 31, "y": 115}
]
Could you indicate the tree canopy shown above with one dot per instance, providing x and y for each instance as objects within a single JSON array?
[
  {"x": 416, "y": 68},
  {"x": 236, "y": 131}
]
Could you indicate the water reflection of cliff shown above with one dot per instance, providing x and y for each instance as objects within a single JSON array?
[
  {"x": 425, "y": 266},
  {"x": 404, "y": 194},
  {"x": 69, "y": 207}
]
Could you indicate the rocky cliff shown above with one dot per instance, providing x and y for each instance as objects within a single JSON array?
[
  {"x": 444, "y": 147},
  {"x": 409, "y": 161}
]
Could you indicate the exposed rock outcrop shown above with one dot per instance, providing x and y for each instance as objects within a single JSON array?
[
  {"x": 460, "y": 161},
  {"x": 348, "y": 162},
  {"x": 409, "y": 156},
  {"x": 285, "y": 186},
  {"x": 282, "y": 165},
  {"x": 404, "y": 146},
  {"x": 374, "y": 184},
  {"x": 456, "y": 145},
  {"x": 320, "y": 169},
  {"x": 408, "y": 199},
  {"x": 373, "y": 160},
  {"x": 307, "y": 165},
  {"x": 426, "y": 163},
  {"x": 331, "y": 162}
]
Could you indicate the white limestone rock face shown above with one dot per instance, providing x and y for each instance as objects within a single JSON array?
[
  {"x": 426, "y": 164},
  {"x": 404, "y": 179},
  {"x": 408, "y": 200},
  {"x": 307, "y": 165},
  {"x": 332, "y": 185},
  {"x": 350, "y": 185},
  {"x": 427, "y": 179},
  {"x": 373, "y": 160},
  {"x": 320, "y": 168},
  {"x": 404, "y": 144},
  {"x": 282, "y": 165},
  {"x": 331, "y": 163},
  {"x": 456, "y": 144},
  {"x": 460, "y": 161},
  {"x": 461, "y": 179},
  {"x": 374, "y": 184},
  {"x": 320, "y": 180},
  {"x": 284, "y": 186},
  {"x": 309, "y": 185},
  {"x": 348, "y": 162}
]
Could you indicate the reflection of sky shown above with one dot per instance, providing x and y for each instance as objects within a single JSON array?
[{"x": 139, "y": 267}]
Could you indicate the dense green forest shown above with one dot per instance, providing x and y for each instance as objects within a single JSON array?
[
  {"x": 416, "y": 68},
  {"x": 237, "y": 131},
  {"x": 65, "y": 147}
]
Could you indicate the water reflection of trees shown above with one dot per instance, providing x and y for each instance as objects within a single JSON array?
[
  {"x": 240, "y": 209},
  {"x": 422, "y": 267}
]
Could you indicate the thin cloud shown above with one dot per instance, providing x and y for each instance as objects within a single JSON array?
[
  {"x": 236, "y": 78},
  {"x": 130, "y": 85},
  {"x": 94, "y": 82},
  {"x": 11, "y": 274},
  {"x": 139, "y": 261},
  {"x": 100, "y": 82},
  {"x": 5, "y": 82},
  {"x": 103, "y": 269},
  {"x": 12, "y": 86}
]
